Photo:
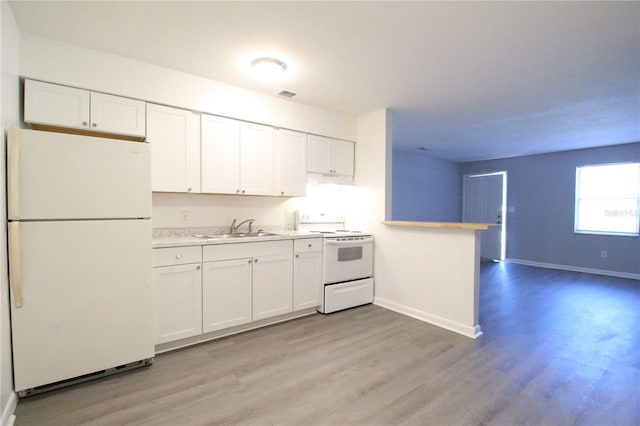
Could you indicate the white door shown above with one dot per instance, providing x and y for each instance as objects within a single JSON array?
[
  {"x": 307, "y": 273},
  {"x": 220, "y": 151},
  {"x": 290, "y": 163},
  {"x": 115, "y": 114},
  {"x": 174, "y": 137},
  {"x": 272, "y": 286},
  {"x": 178, "y": 302},
  {"x": 484, "y": 202},
  {"x": 63, "y": 176},
  {"x": 256, "y": 159},
  {"x": 226, "y": 294},
  {"x": 87, "y": 298},
  {"x": 51, "y": 104}
]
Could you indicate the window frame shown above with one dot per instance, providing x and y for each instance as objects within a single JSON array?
[{"x": 578, "y": 199}]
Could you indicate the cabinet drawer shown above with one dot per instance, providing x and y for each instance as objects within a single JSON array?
[
  {"x": 307, "y": 244},
  {"x": 177, "y": 255}
]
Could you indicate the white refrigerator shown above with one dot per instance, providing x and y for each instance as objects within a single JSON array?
[{"x": 79, "y": 211}]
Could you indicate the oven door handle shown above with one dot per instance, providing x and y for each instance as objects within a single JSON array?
[{"x": 332, "y": 242}]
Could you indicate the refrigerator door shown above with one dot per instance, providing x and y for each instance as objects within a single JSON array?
[
  {"x": 86, "y": 298},
  {"x": 64, "y": 176}
]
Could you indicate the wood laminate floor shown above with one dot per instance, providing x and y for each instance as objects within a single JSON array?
[{"x": 558, "y": 348}]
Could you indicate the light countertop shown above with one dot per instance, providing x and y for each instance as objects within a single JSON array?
[{"x": 188, "y": 240}]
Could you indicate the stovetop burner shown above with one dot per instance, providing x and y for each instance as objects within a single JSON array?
[{"x": 339, "y": 232}]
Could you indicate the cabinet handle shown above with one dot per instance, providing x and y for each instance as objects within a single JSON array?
[
  {"x": 297, "y": 255},
  {"x": 309, "y": 245},
  {"x": 250, "y": 261},
  {"x": 94, "y": 125},
  {"x": 281, "y": 192},
  {"x": 243, "y": 191},
  {"x": 178, "y": 256},
  {"x": 255, "y": 260},
  {"x": 237, "y": 191},
  {"x": 198, "y": 268},
  {"x": 84, "y": 123},
  {"x": 189, "y": 189}
]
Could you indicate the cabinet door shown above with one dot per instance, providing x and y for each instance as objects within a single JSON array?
[
  {"x": 174, "y": 137},
  {"x": 226, "y": 294},
  {"x": 307, "y": 280},
  {"x": 342, "y": 157},
  {"x": 318, "y": 154},
  {"x": 290, "y": 163},
  {"x": 178, "y": 302},
  {"x": 272, "y": 286},
  {"x": 220, "y": 151},
  {"x": 256, "y": 159},
  {"x": 54, "y": 105},
  {"x": 118, "y": 115}
]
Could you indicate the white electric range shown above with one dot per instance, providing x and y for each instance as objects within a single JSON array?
[{"x": 348, "y": 266}]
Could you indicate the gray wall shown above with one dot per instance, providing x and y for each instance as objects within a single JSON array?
[
  {"x": 425, "y": 188},
  {"x": 541, "y": 188}
]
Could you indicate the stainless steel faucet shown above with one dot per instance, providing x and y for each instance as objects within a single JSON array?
[{"x": 234, "y": 227}]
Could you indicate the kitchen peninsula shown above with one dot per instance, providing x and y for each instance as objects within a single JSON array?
[{"x": 442, "y": 261}]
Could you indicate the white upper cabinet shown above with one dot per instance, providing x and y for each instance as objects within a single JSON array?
[
  {"x": 290, "y": 163},
  {"x": 237, "y": 157},
  {"x": 330, "y": 156},
  {"x": 256, "y": 159},
  {"x": 220, "y": 150},
  {"x": 52, "y": 105},
  {"x": 115, "y": 114},
  {"x": 342, "y": 157},
  {"x": 174, "y": 138}
]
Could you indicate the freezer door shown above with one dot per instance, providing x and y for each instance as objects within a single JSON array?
[
  {"x": 87, "y": 300},
  {"x": 64, "y": 176}
]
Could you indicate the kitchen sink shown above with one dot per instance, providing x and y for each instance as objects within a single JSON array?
[{"x": 238, "y": 235}]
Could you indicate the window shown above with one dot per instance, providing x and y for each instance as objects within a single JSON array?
[{"x": 608, "y": 199}]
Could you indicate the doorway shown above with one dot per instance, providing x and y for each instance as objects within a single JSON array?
[{"x": 484, "y": 201}]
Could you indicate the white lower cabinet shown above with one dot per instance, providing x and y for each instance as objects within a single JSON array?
[
  {"x": 270, "y": 271},
  {"x": 177, "y": 284},
  {"x": 272, "y": 285},
  {"x": 226, "y": 294},
  {"x": 202, "y": 289},
  {"x": 307, "y": 273}
]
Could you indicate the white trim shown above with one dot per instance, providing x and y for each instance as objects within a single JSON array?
[
  {"x": 503, "y": 212},
  {"x": 617, "y": 274},
  {"x": 7, "y": 414},
  {"x": 468, "y": 331}
]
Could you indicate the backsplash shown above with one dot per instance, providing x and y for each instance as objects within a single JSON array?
[{"x": 179, "y": 211}]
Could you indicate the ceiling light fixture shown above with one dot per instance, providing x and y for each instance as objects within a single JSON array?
[{"x": 268, "y": 68}]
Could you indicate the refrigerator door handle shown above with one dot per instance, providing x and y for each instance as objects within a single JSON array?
[
  {"x": 14, "y": 172},
  {"x": 15, "y": 269}
]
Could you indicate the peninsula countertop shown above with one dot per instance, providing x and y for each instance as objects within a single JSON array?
[{"x": 442, "y": 225}]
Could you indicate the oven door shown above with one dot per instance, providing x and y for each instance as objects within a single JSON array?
[{"x": 347, "y": 260}]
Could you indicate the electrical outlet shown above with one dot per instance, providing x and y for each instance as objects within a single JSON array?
[
  {"x": 184, "y": 217},
  {"x": 604, "y": 254}
]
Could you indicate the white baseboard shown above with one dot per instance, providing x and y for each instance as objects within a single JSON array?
[
  {"x": 7, "y": 414},
  {"x": 575, "y": 269},
  {"x": 465, "y": 330}
]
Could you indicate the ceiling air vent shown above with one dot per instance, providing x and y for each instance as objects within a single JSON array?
[{"x": 286, "y": 94}]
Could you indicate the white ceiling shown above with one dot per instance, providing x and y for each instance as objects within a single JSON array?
[{"x": 467, "y": 80}]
